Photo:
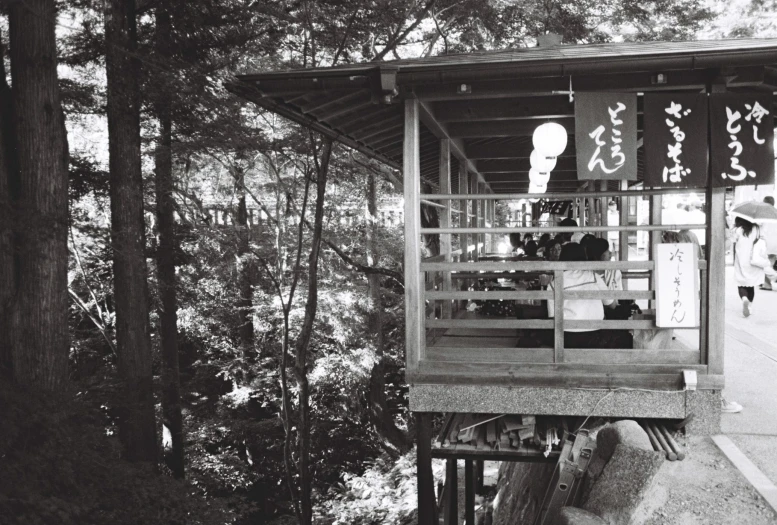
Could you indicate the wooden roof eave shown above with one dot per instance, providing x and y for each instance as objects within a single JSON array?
[{"x": 250, "y": 92}]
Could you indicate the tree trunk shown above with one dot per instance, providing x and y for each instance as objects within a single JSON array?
[
  {"x": 303, "y": 342},
  {"x": 38, "y": 310},
  {"x": 165, "y": 206},
  {"x": 245, "y": 270},
  {"x": 7, "y": 170},
  {"x": 396, "y": 441},
  {"x": 137, "y": 428}
]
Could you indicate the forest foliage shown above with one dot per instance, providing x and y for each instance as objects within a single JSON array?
[{"x": 231, "y": 158}]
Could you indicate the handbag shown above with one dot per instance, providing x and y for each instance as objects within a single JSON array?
[{"x": 759, "y": 257}]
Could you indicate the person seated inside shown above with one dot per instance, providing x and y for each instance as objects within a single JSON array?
[
  {"x": 544, "y": 238},
  {"x": 567, "y": 236},
  {"x": 586, "y": 309},
  {"x": 530, "y": 251},
  {"x": 516, "y": 243}
]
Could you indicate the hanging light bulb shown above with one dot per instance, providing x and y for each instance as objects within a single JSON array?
[
  {"x": 538, "y": 176},
  {"x": 540, "y": 162},
  {"x": 550, "y": 139}
]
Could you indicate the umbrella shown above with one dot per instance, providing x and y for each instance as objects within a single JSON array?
[{"x": 753, "y": 211}]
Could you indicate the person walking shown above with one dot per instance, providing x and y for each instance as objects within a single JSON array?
[
  {"x": 769, "y": 234},
  {"x": 747, "y": 274}
]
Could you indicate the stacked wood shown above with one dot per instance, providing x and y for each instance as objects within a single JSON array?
[{"x": 491, "y": 432}]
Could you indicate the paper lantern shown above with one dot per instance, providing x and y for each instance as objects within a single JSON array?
[
  {"x": 537, "y": 188},
  {"x": 540, "y": 162},
  {"x": 534, "y": 201},
  {"x": 550, "y": 139},
  {"x": 539, "y": 177}
]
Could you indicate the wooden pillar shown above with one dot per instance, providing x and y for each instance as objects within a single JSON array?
[
  {"x": 445, "y": 221},
  {"x": 591, "y": 215},
  {"x": 464, "y": 208},
  {"x": 474, "y": 222},
  {"x": 414, "y": 284},
  {"x": 451, "y": 511},
  {"x": 427, "y": 506},
  {"x": 479, "y": 475},
  {"x": 469, "y": 492},
  {"x": 715, "y": 253},
  {"x": 655, "y": 238},
  {"x": 603, "y": 208},
  {"x": 623, "y": 237}
]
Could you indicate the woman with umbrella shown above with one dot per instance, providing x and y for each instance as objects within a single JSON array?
[{"x": 751, "y": 262}]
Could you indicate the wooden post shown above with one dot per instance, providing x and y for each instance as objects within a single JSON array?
[
  {"x": 603, "y": 208},
  {"x": 414, "y": 284},
  {"x": 451, "y": 512},
  {"x": 715, "y": 252},
  {"x": 479, "y": 475},
  {"x": 427, "y": 506},
  {"x": 655, "y": 238},
  {"x": 474, "y": 222},
  {"x": 469, "y": 492},
  {"x": 623, "y": 237},
  {"x": 558, "y": 316},
  {"x": 445, "y": 221},
  {"x": 591, "y": 215},
  {"x": 464, "y": 208}
]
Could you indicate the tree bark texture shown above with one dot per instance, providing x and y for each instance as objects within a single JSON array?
[
  {"x": 303, "y": 341},
  {"x": 137, "y": 428},
  {"x": 37, "y": 322},
  {"x": 7, "y": 170},
  {"x": 245, "y": 270},
  {"x": 165, "y": 207}
]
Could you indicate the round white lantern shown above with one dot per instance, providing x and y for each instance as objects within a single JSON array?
[
  {"x": 538, "y": 177},
  {"x": 540, "y": 162},
  {"x": 550, "y": 139},
  {"x": 537, "y": 188},
  {"x": 533, "y": 201}
]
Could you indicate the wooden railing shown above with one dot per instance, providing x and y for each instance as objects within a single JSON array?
[{"x": 479, "y": 361}]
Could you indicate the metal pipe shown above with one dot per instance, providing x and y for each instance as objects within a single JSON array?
[{"x": 561, "y": 195}]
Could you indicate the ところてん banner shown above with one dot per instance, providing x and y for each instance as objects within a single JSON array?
[{"x": 606, "y": 136}]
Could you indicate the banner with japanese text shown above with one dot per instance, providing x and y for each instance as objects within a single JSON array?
[
  {"x": 741, "y": 139},
  {"x": 606, "y": 136},
  {"x": 675, "y": 140}
]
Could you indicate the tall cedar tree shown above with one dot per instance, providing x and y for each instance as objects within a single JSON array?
[
  {"x": 137, "y": 428},
  {"x": 7, "y": 155},
  {"x": 34, "y": 198},
  {"x": 165, "y": 257}
]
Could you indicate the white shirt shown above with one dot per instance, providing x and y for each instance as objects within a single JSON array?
[
  {"x": 581, "y": 309},
  {"x": 745, "y": 273}
]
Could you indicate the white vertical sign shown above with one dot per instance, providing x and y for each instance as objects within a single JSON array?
[{"x": 677, "y": 286}]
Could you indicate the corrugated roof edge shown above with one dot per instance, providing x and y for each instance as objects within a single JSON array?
[{"x": 565, "y": 54}]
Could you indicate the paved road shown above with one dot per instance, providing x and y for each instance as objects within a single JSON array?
[{"x": 751, "y": 376}]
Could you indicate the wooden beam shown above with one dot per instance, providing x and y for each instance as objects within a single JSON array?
[
  {"x": 333, "y": 99},
  {"x": 445, "y": 218},
  {"x": 441, "y": 132},
  {"x": 639, "y": 81},
  {"x": 509, "y": 165},
  {"x": 507, "y": 150},
  {"x": 249, "y": 93},
  {"x": 504, "y": 128},
  {"x": 503, "y": 109},
  {"x": 414, "y": 285}
]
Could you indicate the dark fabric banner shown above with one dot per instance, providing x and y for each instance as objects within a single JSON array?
[
  {"x": 742, "y": 139},
  {"x": 675, "y": 140},
  {"x": 606, "y": 136}
]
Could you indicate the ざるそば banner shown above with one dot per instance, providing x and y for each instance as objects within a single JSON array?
[
  {"x": 606, "y": 136},
  {"x": 742, "y": 139},
  {"x": 675, "y": 140}
]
